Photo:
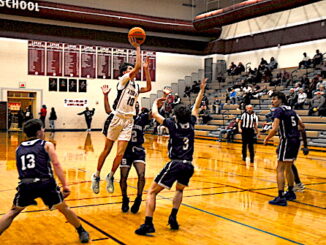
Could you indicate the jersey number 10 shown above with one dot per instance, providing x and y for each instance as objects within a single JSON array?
[{"x": 131, "y": 101}]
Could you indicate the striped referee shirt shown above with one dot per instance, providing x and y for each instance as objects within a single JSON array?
[{"x": 248, "y": 120}]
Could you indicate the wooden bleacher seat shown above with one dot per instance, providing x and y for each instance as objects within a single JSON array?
[
  {"x": 316, "y": 126},
  {"x": 201, "y": 133},
  {"x": 206, "y": 127}
]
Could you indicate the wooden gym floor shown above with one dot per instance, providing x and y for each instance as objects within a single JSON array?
[{"x": 226, "y": 202}]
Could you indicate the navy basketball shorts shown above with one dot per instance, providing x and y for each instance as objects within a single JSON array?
[
  {"x": 47, "y": 190},
  {"x": 132, "y": 155},
  {"x": 288, "y": 149},
  {"x": 175, "y": 170}
]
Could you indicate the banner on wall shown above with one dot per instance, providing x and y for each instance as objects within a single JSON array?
[
  {"x": 54, "y": 52},
  {"x": 71, "y": 60},
  {"x": 119, "y": 57},
  {"x": 88, "y": 61},
  {"x": 152, "y": 64},
  {"x": 36, "y": 58},
  {"x": 75, "y": 102},
  {"x": 104, "y": 62},
  {"x": 132, "y": 60}
]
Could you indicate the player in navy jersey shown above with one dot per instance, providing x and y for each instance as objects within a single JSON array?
[
  {"x": 134, "y": 155},
  {"x": 180, "y": 168},
  {"x": 289, "y": 125},
  {"x": 33, "y": 159}
]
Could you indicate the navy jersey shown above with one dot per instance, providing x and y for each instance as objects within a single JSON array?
[
  {"x": 32, "y": 160},
  {"x": 288, "y": 122},
  {"x": 137, "y": 134},
  {"x": 181, "y": 143}
]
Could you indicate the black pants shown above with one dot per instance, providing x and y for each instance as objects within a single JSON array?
[
  {"x": 89, "y": 123},
  {"x": 248, "y": 135}
]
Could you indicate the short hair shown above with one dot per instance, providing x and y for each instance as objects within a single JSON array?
[
  {"x": 280, "y": 96},
  {"x": 182, "y": 113},
  {"x": 124, "y": 67},
  {"x": 31, "y": 127}
]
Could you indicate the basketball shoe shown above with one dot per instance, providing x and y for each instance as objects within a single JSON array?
[
  {"x": 144, "y": 229},
  {"x": 280, "y": 201},
  {"x": 110, "y": 184},
  {"x": 95, "y": 184}
]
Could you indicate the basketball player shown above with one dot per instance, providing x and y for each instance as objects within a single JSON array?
[
  {"x": 135, "y": 155},
  {"x": 121, "y": 122},
  {"x": 180, "y": 168},
  {"x": 36, "y": 179},
  {"x": 286, "y": 122}
]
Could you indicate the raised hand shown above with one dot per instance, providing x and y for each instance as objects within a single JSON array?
[
  {"x": 203, "y": 83},
  {"x": 105, "y": 89},
  {"x": 133, "y": 42}
]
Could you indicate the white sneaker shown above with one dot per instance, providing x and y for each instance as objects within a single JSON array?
[
  {"x": 298, "y": 187},
  {"x": 95, "y": 184},
  {"x": 110, "y": 184}
]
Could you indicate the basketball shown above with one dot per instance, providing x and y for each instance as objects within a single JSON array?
[{"x": 138, "y": 33}]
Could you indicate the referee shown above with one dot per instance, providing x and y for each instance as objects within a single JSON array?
[{"x": 248, "y": 126}]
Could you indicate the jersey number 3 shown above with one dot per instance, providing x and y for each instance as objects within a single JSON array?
[
  {"x": 28, "y": 161},
  {"x": 185, "y": 143}
]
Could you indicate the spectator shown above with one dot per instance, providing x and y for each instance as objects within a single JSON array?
[
  {"x": 195, "y": 87},
  {"x": 292, "y": 97},
  {"x": 316, "y": 103},
  {"x": 240, "y": 68},
  {"x": 88, "y": 117},
  {"x": 205, "y": 102},
  {"x": 231, "y": 69},
  {"x": 28, "y": 113},
  {"x": 305, "y": 81},
  {"x": 301, "y": 99},
  {"x": 43, "y": 113},
  {"x": 305, "y": 62},
  {"x": 317, "y": 59},
  {"x": 205, "y": 114},
  {"x": 187, "y": 91},
  {"x": 323, "y": 69},
  {"x": 230, "y": 130},
  {"x": 272, "y": 64},
  {"x": 217, "y": 105},
  {"x": 269, "y": 121},
  {"x": 177, "y": 100},
  {"x": 20, "y": 117},
  {"x": 52, "y": 118},
  {"x": 10, "y": 116},
  {"x": 233, "y": 96}
]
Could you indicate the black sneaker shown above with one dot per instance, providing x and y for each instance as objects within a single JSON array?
[
  {"x": 173, "y": 223},
  {"x": 144, "y": 229},
  {"x": 135, "y": 207},
  {"x": 84, "y": 237},
  {"x": 280, "y": 201},
  {"x": 290, "y": 196},
  {"x": 125, "y": 204}
]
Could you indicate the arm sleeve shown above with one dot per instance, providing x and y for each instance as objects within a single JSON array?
[
  {"x": 168, "y": 123},
  {"x": 123, "y": 81},
  {"x": 277, "y": 113}
]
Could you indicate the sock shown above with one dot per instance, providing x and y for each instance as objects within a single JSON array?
[
  {"x": 174, "y": 212},
  {"x": 280, "y": 193},
  {"x": 290, "y": 188},
  {"x": 80, "y": 229},
  {"x": 97, "y": 174},
  {"x": 111, "y": 175},
  {"x": 148, "y": 220}
]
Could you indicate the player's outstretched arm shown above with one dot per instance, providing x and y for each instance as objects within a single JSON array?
[
  {"x": 106, "y": 90},
  {"x": 137, "y": 67},
  {"x": 195, "y": 109},
  {"x": 273, "y": 131},
  {"x": 148, "y": 78},
  {"x": 155, "y": 114},
  {"x": 49, "y": 148}
]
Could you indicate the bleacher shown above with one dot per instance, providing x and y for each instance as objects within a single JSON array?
[{"x": 315, "y": 125}]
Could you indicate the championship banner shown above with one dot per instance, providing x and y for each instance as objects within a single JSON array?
[
  {"x": 71, "y": 60},
  {"x": 88, "y": 61},
  {"x": 104, "y": 62},
  {"x": 119, "y": 57},
  {"x": 36, "y": 58},
  {"x": 54, "y": 53}
]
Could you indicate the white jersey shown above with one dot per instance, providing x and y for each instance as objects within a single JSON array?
[{"x": 127, "y": 96}]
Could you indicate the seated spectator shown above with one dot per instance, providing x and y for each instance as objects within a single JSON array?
[
  {"x": 258, "y": 92},
  {"x": 176, "y": 101},
  {"x": 231, "y": 69},
  {"x": 317, "y": 59},
  {"x": 305, "y": 62},
  {"x": 292, "y": 97},
  {"x": 217, "y": 106},
  {"x": 269, "y": 121},
  {"x": 301, "y": 99},
  {"x": 272, "y": 64},
  {"x": 263, "y": 63},
  {"x": 233, "y": 96},
  {"x": 187, "y": 91},
  {"x": 230, "y": 130},
  {"x": 323, "y": 69},
  {"x": 240, "y": 68},
  {"x": 316, "y": 104},
  {"x": 305, "y": 81},
  {"x": 297, "y": 86},
  {"x": 320, "y": 82},
  {"x": 205, "y": 114},
  {"x": 205, "y": 102}
]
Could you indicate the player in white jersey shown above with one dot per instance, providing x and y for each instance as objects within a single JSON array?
[{"x": 120, "y": 122}]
